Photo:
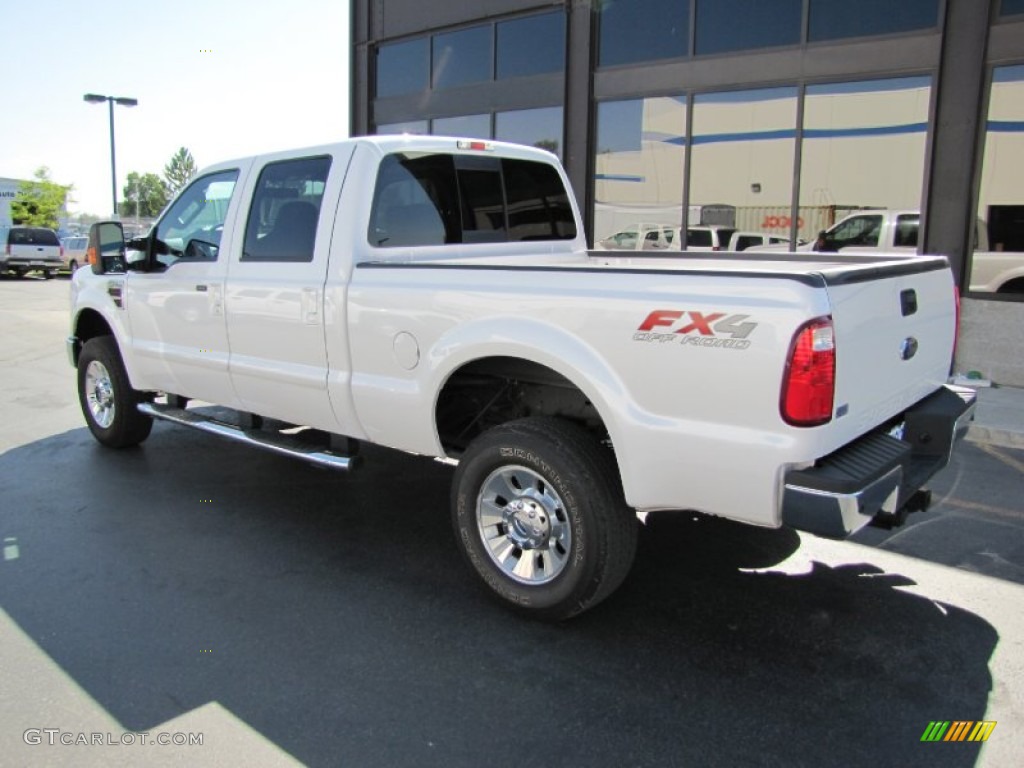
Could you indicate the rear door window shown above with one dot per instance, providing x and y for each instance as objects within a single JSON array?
[{"x": 286, "y": 210}]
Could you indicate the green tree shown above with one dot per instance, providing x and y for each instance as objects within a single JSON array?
[
  {"x": 144, "y": 195},
  {"x": 40, "y": 203},
  {"x": 179, "y": 171}
]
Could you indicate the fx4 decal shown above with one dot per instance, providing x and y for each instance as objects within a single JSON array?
[{"x": 698, "y": 329}]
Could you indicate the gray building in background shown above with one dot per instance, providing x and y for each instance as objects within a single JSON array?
[{"x": 793, "y": 112}]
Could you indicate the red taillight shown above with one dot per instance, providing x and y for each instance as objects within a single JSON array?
[{"x": 809, "y": 381}]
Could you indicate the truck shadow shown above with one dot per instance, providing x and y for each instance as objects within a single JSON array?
[{"x": 345, "y": 628}]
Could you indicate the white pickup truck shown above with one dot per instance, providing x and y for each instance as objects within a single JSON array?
[
  {"x": 886, "y": 231},
  {"x": 436, "y": 296}
]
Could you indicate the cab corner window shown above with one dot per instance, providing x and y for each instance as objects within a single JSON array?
[
  {"x": 439, "y": 199},
  {"x": 905, "y": 235},
  {"x": 285, "y": 211}
]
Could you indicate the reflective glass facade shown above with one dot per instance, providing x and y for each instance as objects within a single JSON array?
[
  {"x": 743, "y": 148},
  {"x": 403, "y": 67},
  {"x": 643, "y": 30},
  {"x": 533, "y": 127},
  {"x": 533, "y": 45},
  {"x": 742, "y": 25},
  {"x": 639, "y": 164},
  {"x": 471, "y": 126},
  {"x": 999, "y": 268},
  {"x": 462, "y": 57},
  {"x": 665, "y": 120},
  {"x": 864, "y": 144},
  {"x": 837, "y": 19}
]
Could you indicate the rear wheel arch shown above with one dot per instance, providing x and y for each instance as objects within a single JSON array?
[
  {"x": 1012, "y": 286},
  {"x": 490, "y": 391}
]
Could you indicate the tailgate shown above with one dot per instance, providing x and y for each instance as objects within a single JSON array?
[
  {"x": 895, "y": 327},
  {"x": 35, "y": 253}
]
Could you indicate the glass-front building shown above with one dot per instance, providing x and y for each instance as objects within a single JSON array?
[{"x": 767, "y": 121}]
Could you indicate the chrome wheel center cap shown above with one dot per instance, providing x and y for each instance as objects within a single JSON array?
[
  {"x": 103, "y": 394},
  {"x": 528, "y": 523}
]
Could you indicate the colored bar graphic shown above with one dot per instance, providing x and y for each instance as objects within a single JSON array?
[
  {"x": 958, "y": 730},
  {"x": 982, "y": 730}
]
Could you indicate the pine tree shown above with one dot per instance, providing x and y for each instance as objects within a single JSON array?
[{"x": 179, "y": 171}]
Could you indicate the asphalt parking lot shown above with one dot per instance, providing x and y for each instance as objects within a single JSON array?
[{"x": 294, "y": 615}]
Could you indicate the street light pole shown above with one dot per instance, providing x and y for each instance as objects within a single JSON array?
[{"x": 124, "y": 101}]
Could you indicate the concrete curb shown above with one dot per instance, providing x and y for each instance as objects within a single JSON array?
[{"x": 1001, "y": 438}]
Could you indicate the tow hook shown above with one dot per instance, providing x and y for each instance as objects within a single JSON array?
[{"x": 920, "y": 501}]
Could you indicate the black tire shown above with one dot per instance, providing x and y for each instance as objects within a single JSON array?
[
  {"x": 107, "y": 398},
  {"x": 546, "y": 496}
]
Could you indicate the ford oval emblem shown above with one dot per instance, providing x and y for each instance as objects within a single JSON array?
[{"x": 908, "y": 348}]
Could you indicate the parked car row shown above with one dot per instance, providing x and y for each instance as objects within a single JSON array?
[
  {"x": 870, "y": 232},
  {"x": 38, "y": 249},
  {"x": 658, "y": 237}
]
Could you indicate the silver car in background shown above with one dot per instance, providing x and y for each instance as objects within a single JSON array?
[
  {"x": 32, "y": 249},
  {"x": 74, "y": 251}
]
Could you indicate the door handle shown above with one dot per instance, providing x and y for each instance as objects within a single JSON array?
[
  {"x": 310, "y": 306},
  {"x": 202, "y": 288}
]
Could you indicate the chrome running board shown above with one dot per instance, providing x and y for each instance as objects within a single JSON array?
[{"x": 285, "y": 445}]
